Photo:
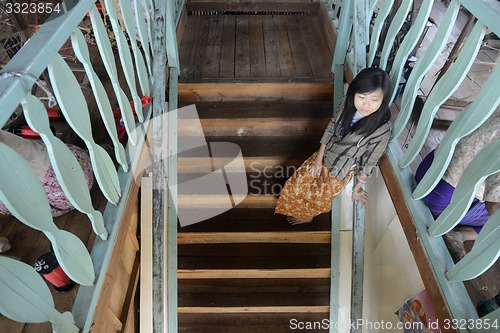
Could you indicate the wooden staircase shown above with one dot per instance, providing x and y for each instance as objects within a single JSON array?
[{"x": 248, "y": 270}]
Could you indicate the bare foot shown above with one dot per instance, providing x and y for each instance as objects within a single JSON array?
[{"x": 297, "y": 220}]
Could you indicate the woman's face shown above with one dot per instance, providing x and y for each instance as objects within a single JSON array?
[{"x": 368, "y": 103}]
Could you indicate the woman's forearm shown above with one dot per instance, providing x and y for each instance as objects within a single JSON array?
[
  {"x": 321, "y": 152},
  {"x": 361, "y": 179}
]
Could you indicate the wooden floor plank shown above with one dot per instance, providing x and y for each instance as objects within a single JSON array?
[
  {"x": 265, "y": 47},
  {"x": 315, "y": 46},
  {"x": 286, "y": 63},
  {"x": 188, "y": 47},
  {"x": 211, "y": 60},
  {"x": 227, "y": 64},
  {"x": 242, "y": 56},
  {"x": 196, "y": 69},
  {"x": 270, "y": 48},
  {"x": 298, "y": 47},
  {"x": 257, "y": 49}
]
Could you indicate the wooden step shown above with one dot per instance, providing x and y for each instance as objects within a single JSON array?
[
  {"x": 251, "y": 320},
  {"x": 256, "y": 309},
  {"x": 249, "y": 127},
  {"x": 255, "y": 220},
  {"x": 239, "y": 257},
  {"x": 319, "y": 237},
  {"x": 257, "y": 146},
  {"x": 307, "y": 273},
  {"x": 262, "y": 109},
  {"x": 261, "y": 164},
  {"x": 220, "y": 201},
  {"x": 250, "y": 92}
]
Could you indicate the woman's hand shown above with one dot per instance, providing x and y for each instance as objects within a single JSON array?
[
  {"x": 315, "y": 168},
  {"x": 361, "y": 196}
]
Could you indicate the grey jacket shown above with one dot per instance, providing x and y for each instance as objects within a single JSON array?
[{"x": 353, "y": 149}]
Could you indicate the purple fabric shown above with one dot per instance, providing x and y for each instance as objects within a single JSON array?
[{"x": 440, "y": 198}]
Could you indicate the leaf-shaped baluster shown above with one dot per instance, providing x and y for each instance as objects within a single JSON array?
[
  {"x": 443, "y": 89},
  {"x": 408, "y": 44},
  {"x": 396, "y": 24},
  {"x": 141, "y": 17},
  {"x": 125, "y": 56},
  {"x": 26, "y": 297},
  {"x": 65, "y": 165},
  {"x": 75, "y": 110},
  {"x": 108, "y": 58},
  {"x": 484, "y": 253},
  {"x": 140, "y": 66},
  {"x": 423, "y": 65},
  {"x": 465, "y": 123},
  {"x": 149, "y": 10},
  {"x": 23, "y": 195},
  {"x": 485, "y": 163},
  {"x": 103, "y": 103},
  {"x": 385, "y": 8}
]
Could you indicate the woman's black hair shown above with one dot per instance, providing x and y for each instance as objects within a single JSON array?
[{"x": 367, "y": 81}]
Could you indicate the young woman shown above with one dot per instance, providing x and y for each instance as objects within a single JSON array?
[{"x": 352, "y": 144}]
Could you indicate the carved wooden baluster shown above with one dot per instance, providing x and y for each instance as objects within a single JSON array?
[
  {"x": 422, "y": 66},
  {"x": 103, "y": 103},
  {"x": 465, "y": 123},
  {"x": 443, "y": 89},
  {"x": 108, "y": 59},
  {"x": 143, "y": 20},
  {"x": 75, "y": 110},
  {"x": 396, "y": 24},
  {"x": 486, "y": 162},
  {"x": 27, "y": 299},
  {"x": 65, "y": 165},
  {"x": 484, "y": 253},
  {"x": 149, "y": 9},
  {"x": 22, "y": 194},
  {"x": 125, "y": 56},
  {"x": 384, "y": 11},
  {"x": 409, "y": 43},
  {"x": 140, "y": 66}
]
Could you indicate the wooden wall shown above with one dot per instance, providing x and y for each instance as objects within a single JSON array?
[{"x": 115, "y": 309}]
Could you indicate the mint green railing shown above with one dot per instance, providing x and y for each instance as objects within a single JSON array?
[{"x": 25, "y": 297}]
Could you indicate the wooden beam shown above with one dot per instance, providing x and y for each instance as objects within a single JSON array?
[
  {"x": 316, "y": 237},
  {"x": 146, "y": 268},
  {"x": 305, "y": 273}
]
